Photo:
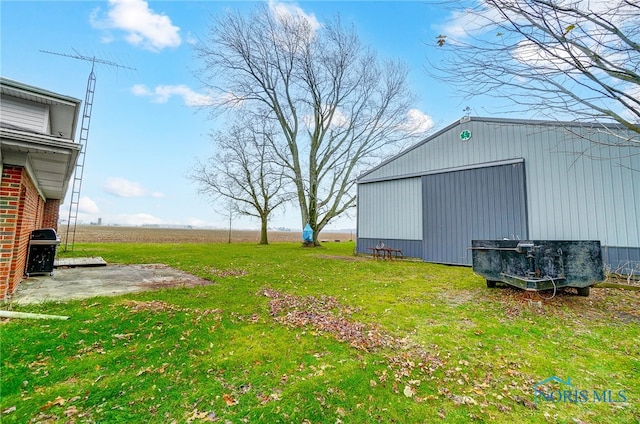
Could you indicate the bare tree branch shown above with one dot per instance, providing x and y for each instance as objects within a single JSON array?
[
  {"x": 565, "y": 59},
  {"x": 244, "y": 172},
  {"x": 336, "y": 105}
]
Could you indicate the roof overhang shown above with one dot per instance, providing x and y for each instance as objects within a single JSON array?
[
  {"x": 64, "y": 111},
  {"x": 50, "y": 161},
  {"x": 49, "y": 158}
]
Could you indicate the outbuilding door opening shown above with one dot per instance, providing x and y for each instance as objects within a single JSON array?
[{"x": 472, "y": 204}]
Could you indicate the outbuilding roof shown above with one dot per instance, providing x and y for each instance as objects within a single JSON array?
[{"x": 548, "y": 123}]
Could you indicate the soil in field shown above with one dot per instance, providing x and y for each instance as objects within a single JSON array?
[{"x": 121, "y": 234}]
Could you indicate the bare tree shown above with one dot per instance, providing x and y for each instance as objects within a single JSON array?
[
  {"x": 572, "y": 58},
  {"x": 230, "y": 212},
  {"x": 337, "y": 107},
  {"x": 243, "y": 172}
]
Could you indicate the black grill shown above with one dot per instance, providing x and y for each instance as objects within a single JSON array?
[{"x": 42, "y": 251}]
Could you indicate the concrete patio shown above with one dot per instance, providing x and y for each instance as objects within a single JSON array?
[{"x": 81, "y": 281}]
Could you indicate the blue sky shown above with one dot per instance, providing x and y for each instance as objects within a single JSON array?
[{"x": 145, "y": 131}]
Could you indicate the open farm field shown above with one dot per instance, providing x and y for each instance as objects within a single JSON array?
[{"x": 121, "y": 234}]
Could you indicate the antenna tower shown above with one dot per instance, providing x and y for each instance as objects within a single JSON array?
[{"x": 70, "y": 236}]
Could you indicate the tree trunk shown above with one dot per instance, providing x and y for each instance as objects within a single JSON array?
[
  {"x": 263, "y": 231},
  {"x": 313, "y": 214}
]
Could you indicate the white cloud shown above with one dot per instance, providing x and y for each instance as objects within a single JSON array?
[
  {"x": 633, "y": 91},
  {"x": 549, "y": 58},
  {"x": 141, "y": 90},
  {"x": 418, "y": 121},
  {"x": 190, "y": 97},
  {"x": 481, "y": 18},
  {"x": 191, "y": 39},
  {"x": 196, "y": 222},
  {"x": 86, "y": 205},
  {"x": 338, "y": 120},
  {"x": 142, "y": 26},
  {"x": 162, "y": 94},
  {"x": 107, "y": 38},
  {"x": 136, "y": 219},
  {"x": 468, "y": 22},
  {"x": 285, "y": 9},
  {"x": 122, "y": 187}
]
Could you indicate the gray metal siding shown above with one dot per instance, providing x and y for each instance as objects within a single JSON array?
[
  {"x": 622, "y": 260},
  {"x": 410, "y": 248},
  {"x": 390, "y": 209},
  {"x": 483, "y": 203},
  {"x": 31, "y": 116},
  {"x": 577, "y": 189}
]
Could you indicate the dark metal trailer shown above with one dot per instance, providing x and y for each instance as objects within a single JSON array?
[{"x": 536, "y": 265}]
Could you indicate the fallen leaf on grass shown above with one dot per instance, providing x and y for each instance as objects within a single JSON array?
[
  {"x": 525, "y": 402},
  {"x": 268, "y": 398},
  {"x": 9, "y": 410},
  {"x": 39, "y": 363},
  {"x": 71, "y": 411},
  {"x": 505, "y": 408},
  {"x": 464, "y": 400},
  {"x": 421, "y": 399},
  {"x": 201, "y": 416},
  {"x": 326, "y": 315},
  {"x": 227, "y": 272},
  {"x": 143, "y": 371},
  {"x": 126, "y": 336},
  {"x": 57, "y": 401},
  {"x": 409, "y": 391},
  {"x": 229, "y": 400}
]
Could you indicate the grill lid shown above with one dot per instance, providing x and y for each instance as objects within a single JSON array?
[{"x": 44, "y": 234}]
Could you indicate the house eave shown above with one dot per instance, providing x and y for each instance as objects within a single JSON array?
[{"x": 50, "y": 161}]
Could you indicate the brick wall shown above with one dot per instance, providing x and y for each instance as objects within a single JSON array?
[
  {"x": 51, "y": 214},
  {"x": 21, "y": 211}
]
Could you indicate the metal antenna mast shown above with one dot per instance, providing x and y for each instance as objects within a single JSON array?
[{"x": 72, "y": 221}]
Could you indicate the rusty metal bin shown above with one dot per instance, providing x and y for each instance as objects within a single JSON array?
[
  {"x": 539, "y": 264},
  {"x": 41, "y": 255}
]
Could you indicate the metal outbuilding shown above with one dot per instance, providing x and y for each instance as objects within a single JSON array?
[{"x": 492, "y": 178}]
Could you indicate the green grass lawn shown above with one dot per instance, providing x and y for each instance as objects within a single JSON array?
[{"x": 300, "y": 335}]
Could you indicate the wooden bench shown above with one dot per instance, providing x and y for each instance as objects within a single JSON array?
[
  {"x": 393, "y": 253},
  {"x": 385, "y": 252}
]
